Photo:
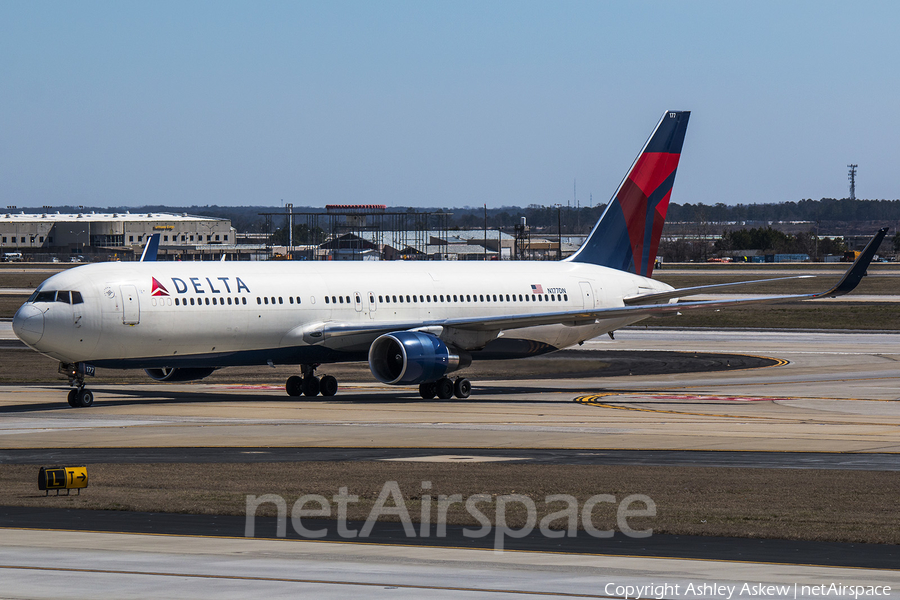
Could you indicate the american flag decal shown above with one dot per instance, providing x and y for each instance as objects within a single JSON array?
[
  {"x": 158, "y": 289},
  {"x": 537, "y": 289}
]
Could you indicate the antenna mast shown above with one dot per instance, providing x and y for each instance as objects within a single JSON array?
[{"x": 852, "y": 178}]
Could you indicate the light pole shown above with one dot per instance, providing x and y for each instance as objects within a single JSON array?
[
  {"x": 559, "y": 232},
  {"x": 77, "y": 235},
  {"x": 485, "y": 232},
  {"x": 211, "y": 225},
  {"x": 290, "y": 209}
]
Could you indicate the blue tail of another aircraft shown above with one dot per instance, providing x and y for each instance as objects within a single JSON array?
[
  {"x": 151, "y": 249},
  {"x": 627, "y": 235}
]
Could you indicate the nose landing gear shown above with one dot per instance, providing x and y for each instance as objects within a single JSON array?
[{"x": 79, "y": 396}]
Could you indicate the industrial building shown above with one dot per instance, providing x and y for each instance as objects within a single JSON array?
[{"x": 43, "y": 236}]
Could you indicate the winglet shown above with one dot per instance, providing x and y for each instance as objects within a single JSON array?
[
  {"x": 858, "y": 269},
  {"x": 151, "y": 249}
]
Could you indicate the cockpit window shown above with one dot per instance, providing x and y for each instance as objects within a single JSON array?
[{"x": 56, "y": 296}]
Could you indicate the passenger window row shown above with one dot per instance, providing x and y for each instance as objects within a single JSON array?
[
  {"x": 385, "y": 299},
  {"x": 424, "y": 298},
  {"x": 280, "y": 300},
  {"x": 215, "y": 301}
]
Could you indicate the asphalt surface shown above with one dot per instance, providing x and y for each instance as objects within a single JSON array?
[
  {"x": 675, "y": 458},
  {"x": 668, "y": 546},
  {"x": 564, "y": 364}
]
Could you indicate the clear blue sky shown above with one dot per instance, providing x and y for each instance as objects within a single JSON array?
[{"x": 440, "y": 103}]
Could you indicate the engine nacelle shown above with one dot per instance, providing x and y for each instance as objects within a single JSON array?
[
  {"x": 408, "y": 357},
  {"x": 170, "y": 374}
]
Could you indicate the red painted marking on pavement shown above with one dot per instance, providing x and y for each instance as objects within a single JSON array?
[{"x": 717, "y": 398}]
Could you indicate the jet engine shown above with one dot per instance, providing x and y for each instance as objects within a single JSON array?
[
  {"x": 408, "y": 357},
  {"x": 170, "y": 374}
]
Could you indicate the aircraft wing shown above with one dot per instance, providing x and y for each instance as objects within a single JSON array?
[
  {"x": 655, "y": 298},
  {"x": 848, "y": 282}
]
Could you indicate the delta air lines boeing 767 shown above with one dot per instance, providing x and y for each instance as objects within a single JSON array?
[{"x": 415, "y": 322}]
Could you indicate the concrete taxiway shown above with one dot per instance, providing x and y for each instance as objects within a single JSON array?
[{"x": 59, "y": 564}]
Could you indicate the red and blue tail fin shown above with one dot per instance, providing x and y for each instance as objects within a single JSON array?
[{"x": 627, "y": 235}]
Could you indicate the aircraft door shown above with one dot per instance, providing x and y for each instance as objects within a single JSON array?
[
  {"x": 373, "y": 306},
  {"x": 131, "y": 309},
  {"x": 357, "y": 301},
  {"x": 587, "y": 295}
]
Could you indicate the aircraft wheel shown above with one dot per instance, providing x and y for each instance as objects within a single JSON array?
[
  {"x": 462, "y": 388},
  {"x": 73, "y": 398},
  {"x": 294, "y": 386},
  {"x": 310, "y": 386},
  {"x": 328, "y": 385},
  {"x": 428, "y": 390},
  {"x": 84, "y": 397},
  {"x": 444, "y": 388}
]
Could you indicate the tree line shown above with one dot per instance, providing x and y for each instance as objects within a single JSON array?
[
  {"x": 772, "y": 241},
  {"x": 826, "y": 209}
]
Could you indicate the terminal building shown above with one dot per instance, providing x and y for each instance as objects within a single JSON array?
[{"x": 102, "y": 236}]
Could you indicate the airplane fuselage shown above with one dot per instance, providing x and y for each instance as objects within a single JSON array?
[{"x": 216, "y": 314}]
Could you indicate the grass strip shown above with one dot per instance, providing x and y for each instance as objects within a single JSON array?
[{"x": 795, "y": 504}]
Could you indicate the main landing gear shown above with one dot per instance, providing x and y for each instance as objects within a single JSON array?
[
  {"x": 445, "y": 388},
  {"x": 79, "y": 396},
  {"x": 309, "y": 384}
]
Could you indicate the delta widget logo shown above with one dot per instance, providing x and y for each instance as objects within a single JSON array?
[{"x": 158, "y": 289}]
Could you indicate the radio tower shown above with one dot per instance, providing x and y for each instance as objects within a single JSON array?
[{"x": 852, "y": 178}]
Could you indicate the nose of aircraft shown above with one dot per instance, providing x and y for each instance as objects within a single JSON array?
[{"x": 28, "y": 324}]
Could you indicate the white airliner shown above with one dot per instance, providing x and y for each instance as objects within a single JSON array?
[{"x": 415, "y": 322}]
